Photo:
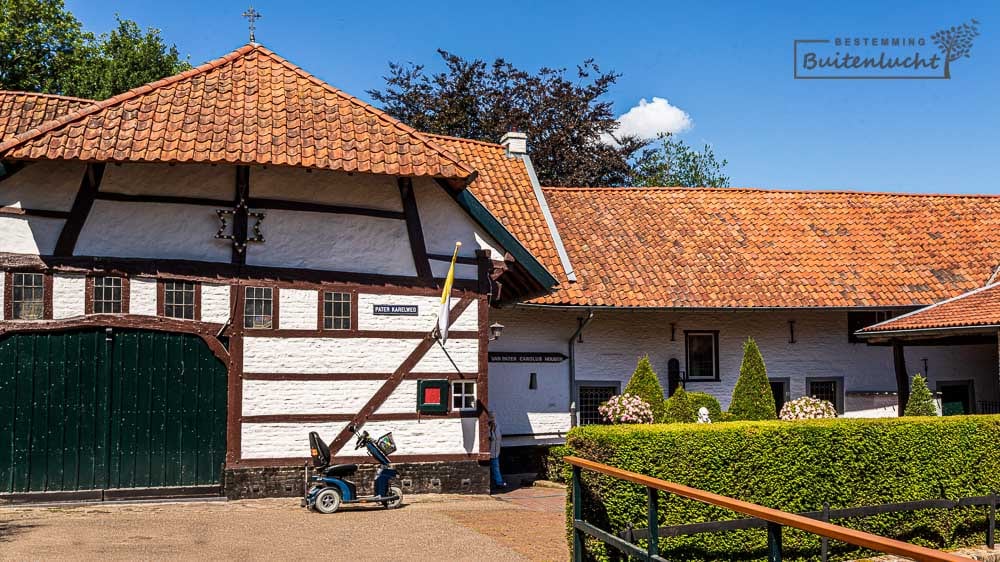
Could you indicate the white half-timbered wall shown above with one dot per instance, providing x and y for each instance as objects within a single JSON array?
[{"x": 295, "y": 239}]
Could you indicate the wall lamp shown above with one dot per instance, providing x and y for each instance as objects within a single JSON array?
[{"x": 496, "y": 330}]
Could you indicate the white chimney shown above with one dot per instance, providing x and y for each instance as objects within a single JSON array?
[{"x": 515, "y": 143}]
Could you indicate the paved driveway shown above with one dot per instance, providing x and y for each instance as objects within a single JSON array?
[{"x": 525, "y": 524}]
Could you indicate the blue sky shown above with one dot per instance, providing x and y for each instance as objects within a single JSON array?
[{"x": 727, "y": 65}]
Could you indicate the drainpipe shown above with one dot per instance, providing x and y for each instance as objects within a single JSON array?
[{"x": 572, "y": 365}]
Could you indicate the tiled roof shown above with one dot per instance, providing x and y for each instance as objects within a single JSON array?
[
  {"x": 980, "y": 307},
  {"x": 248, "y": 107},
  {"x": 722, "y": 248},
  {"x": 23, "y": 111},
  {"x": 504, "y": 188}
]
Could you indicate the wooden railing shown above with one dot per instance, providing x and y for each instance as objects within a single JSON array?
[{"x": 776, "y": 520}]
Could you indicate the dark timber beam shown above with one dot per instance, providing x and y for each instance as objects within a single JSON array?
[
  {"x": 902, "y": 378},
  {"x": 240, "y": 216},
  {"x": 414, "y": 230},
  {"x": 84, "y": 201}
]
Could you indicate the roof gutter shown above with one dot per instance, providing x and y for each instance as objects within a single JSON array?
[{"x": 556, "y": 237}]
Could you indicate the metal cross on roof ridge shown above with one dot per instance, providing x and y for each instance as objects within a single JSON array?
[{"x": 252, "y": 16}]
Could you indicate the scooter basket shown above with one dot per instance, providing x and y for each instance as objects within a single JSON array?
[{"x": 386, "y": 444}]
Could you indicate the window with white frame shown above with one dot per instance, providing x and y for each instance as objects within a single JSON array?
[
  {"x": 178, "y": 300},
  {"x": 28, "y": 296},
  {"x": 463, "y": 395},
  {"x": 258, "y": 308},
  {"x": 107, "y": 295},
  {"x": 336, "y": 311}
]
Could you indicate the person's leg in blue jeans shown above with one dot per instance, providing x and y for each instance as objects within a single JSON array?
[{"x": 495, "y": 470}]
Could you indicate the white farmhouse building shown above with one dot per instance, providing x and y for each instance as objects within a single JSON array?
[{"x": 198, "y": 272}]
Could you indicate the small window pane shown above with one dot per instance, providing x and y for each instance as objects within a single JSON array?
[
  {"x": 336, "y": 311},
  {"x": 178, "y": 299},
  {"x": 591, "y": 398},
  {"x": 463, "y": 395},
  {"x": 107, "y": 295},
  {"x": 28, "y": 298},
  {"x": 701, "y": 355},
  {"x": 826, "y": 390},
  {"x": 258, "y": 306}
]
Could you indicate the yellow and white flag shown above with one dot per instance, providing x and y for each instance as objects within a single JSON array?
[{"x": 446, "y": 297}]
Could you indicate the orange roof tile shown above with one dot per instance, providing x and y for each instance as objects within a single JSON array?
[
  {"x": 504, "y": 188},
  {"x": 735, "y": 248},
  {"x": 23, "y": 111},
  {"x": 248, "y": 107},
  {"x": 980, "y": 307}
]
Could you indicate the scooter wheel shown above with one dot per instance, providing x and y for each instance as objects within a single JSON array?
[
  {"x": 393, "y": 504},
  {"x": 327, "y": 501}
]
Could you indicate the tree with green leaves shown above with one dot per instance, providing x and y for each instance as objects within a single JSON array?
[
  {"x": 646, "y": 385},
  {"x": 44, "y": 48},
  {"x": 123, "y": 59},
  {"x": 565, "y": 115},
  {"x": 40, "y": 43},
  {"x": 672, "y": 163},
  {"x": 921, "y": 402},
  {"x": 752, "y": 397},
  {"x": 680, "y": 408}
]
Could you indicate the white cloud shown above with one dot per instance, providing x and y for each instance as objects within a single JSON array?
[{"x": 650, "y": 118}]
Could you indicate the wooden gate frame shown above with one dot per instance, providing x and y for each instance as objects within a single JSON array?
[{"x": 205, "y": 330}]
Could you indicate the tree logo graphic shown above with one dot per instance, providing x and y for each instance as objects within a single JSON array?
[{"x": 955, "y": 43}]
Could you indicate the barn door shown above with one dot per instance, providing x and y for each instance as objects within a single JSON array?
[{"x": 94, "y": 410}]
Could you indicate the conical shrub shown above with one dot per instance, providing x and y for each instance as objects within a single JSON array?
[
  {"x": 646, "y": 385},
  {"x": 921, "y": 402},
  {"x": 752, "y": 397}
]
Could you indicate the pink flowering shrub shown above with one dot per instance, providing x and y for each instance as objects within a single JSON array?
[
  {"x": 807, "y": 408},
  {"x": 626, "y": 408}
]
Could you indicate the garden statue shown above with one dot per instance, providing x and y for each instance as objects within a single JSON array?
[{"x": 703, "y": 415}]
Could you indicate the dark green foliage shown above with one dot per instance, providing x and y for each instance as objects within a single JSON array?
[
  {"x": 921, "y": 402},
  {"x": 123, "y": 59},
  {"x": 671, "y": 162},
  {"x": 556, "y": 470},
  {"x": 752, "y": 398},
  {"x": 646, "y": 385},
  {"x": 679, "y": 408},
  {"x": 43, "y": 48},
  {"x": 706, "y": 400},
  {"x": 796, "y": 467},
  {"x": 567, "y": 115}
]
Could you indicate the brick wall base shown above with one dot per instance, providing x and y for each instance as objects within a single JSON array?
[{"x": 453, "y": 477}]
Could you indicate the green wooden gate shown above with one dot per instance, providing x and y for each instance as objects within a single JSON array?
[{"x": 93, "y": 410}]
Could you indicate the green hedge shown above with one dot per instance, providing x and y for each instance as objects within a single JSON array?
[{"x": 796, "y": 466}]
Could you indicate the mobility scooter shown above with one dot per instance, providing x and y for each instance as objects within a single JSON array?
[{"x": 329, "y": 488}]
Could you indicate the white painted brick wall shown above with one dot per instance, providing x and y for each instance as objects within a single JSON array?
[
  {"x": 402, "y": 400},
  {"x": 350, "y": 355},
  {"x": 298, "y": 310},
  {"x": 68, "y": 295},
  {"x": 427, "y": 313},
  {"x": 424, "y": 437},
  {"x": 427, "y": 436},
  {"x": 283, "y": 440},
  {"x": 614, "y": 341},
  {"x": 215, "y": 305},
  {"x": 307, "y": 397},
  {"x": 142, "y": 296}
]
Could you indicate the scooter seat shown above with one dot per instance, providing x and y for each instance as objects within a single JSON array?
[{"x": 341, "y": 470}]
